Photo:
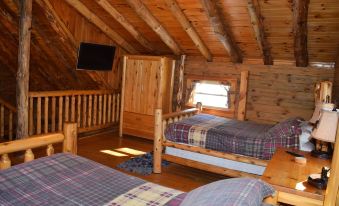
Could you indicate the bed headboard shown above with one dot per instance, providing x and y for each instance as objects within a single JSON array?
[{"x": 68, "y": 137}]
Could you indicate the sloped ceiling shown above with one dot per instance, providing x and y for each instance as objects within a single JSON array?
[
  {"x": 278, "y": 19},
  {"x": 53, "y": 57}
]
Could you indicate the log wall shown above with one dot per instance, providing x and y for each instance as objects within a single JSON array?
[
  {"x": 83, "y": 31},
  {"x": 274, "y": 92}
]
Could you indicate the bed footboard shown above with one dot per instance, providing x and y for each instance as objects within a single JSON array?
[
  {"x": 68, "y": 137},
  {"x": 161, "y": 121}
]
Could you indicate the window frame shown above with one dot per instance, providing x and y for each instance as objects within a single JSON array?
[{"x": 233, "y": 89}]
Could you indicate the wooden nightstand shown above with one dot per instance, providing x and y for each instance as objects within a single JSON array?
[{"x": 290, "y": 179}]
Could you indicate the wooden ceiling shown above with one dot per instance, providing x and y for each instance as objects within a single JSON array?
[
  {"x": 203, "y": 28},
  {"x": 279, "y": 19}
]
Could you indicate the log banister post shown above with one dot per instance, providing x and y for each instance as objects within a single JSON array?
[
  {"x": 70, "y": 141},
  {"x": 157, "y": 150},
  {"x": 22, "y": 77},
  {"x": 5, "y": 162}
]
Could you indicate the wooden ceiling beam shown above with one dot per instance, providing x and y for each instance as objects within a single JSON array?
[
  {"x": 101, "y": 25},
  {"x": 145, "y": 14},
  {"x": 126, "y": 24},
  {"x": 56, "y": 22},
  {"x": 220, "y": 29},
  {"x": 188, "y": 27},
  {"x": 257, "y": 21},
  {"x": 300, "y": 13}
]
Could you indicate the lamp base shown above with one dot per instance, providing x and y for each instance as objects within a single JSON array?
[{"x": 321, "y": 154}]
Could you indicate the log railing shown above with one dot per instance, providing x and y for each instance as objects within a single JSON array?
[
  {"x": 91, "y": 109},
  {"x": 68, "y": 137},
  {"x": 7, "y": 112}
]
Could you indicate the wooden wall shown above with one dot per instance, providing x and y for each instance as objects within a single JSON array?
[
  {"x": 274, "y": 93},
  {"x": 84, "y": 31}
]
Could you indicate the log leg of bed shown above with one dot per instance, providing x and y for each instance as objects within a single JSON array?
[
  {"x": 157, "y": 150},
  {"x": 71, "y": 138}
]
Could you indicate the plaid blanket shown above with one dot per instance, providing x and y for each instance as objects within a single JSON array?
[
  {"x": 232, "y": 136},
  {"x": 147, "y": 194},
  {"x": 63, "y": 179}
]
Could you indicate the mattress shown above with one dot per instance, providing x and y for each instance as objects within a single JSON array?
[
  {"x": 65, "y": 179},
  {"x": 233, "y": 136}
]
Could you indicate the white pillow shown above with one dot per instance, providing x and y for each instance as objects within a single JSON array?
[{"x": 305, "y": 137}]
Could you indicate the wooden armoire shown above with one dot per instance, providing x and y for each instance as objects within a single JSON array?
[{"x": 147, "y": 84}]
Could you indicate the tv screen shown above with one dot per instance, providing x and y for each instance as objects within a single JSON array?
[{"x": 95, "y": 57}]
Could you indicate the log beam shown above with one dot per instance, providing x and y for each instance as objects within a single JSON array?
[
  {"x": 126, "y": 24},
  {"x": 101, "y": 25},
  {"x": 145, "y": 14},
  {"x": 220, "y": 29},
  {"x": 257, "y": 22},
  {"x": 300, "y": 13},
  {"x": 22, "y": 77},
  {"x": 56, "y": 22},
  {"x": 188, "y": 27}
]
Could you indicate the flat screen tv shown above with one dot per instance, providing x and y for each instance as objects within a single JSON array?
[{"x": 95, "y": 57}]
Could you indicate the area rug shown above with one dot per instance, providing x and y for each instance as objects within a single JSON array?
[{"x": 142, "y": 165}]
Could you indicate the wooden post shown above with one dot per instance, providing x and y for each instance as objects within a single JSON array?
[
  {"x": 157, "y": 150},
  {"x": 5, "y": 162},
  {"x": 300, "y": 16},
  {"x": 122, "y": 101},
  {"x": 199, "y": 107},
  {"x": 22, "y": 78},
  {"x": 243, "y": 95},
  {"x": 46, "y": 115},
  {"x": 71, "y": 138},
  {"x": 29, "y": 156},
  {"x": 331, "y": 194}
]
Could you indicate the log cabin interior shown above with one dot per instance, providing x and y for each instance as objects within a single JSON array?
[{"x": 169, "y": 102}]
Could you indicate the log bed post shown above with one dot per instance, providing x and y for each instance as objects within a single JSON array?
[
  {"x": 332, "y": 194},
  {"x": 242, "y": 96},
  {"x": 157, "y": 150},
  {"x": 70, "y": 141},
  {"x": 22, "y": 77}
]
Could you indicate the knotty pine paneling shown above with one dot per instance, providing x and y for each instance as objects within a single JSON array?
[
  {"x": 274, "y": 92},
  {"x": 84, "y": 31}
]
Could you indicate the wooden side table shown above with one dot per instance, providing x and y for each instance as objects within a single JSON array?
[{"x": 290, "y": 179}]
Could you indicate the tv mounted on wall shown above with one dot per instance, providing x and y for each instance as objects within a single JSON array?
[{"x": 95, "y": 57}]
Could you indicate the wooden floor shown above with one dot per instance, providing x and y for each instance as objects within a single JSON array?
[{"x": 174, "y": 176}]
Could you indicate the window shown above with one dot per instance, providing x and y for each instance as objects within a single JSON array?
[{"x": 213, "y": 94}]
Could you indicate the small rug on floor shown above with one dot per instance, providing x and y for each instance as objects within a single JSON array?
[{"x": 142, "y": 165}]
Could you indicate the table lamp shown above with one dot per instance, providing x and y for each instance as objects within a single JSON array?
[{"x": 325, "y": 131}]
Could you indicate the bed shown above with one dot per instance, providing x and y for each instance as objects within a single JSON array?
[
  {"x": 68, "y": 179},
  {"x": 226, "y": 146}
]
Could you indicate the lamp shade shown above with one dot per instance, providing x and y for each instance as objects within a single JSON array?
[
  {"x": 316, "y": 113},
  {"x": 327, "y": 126}
]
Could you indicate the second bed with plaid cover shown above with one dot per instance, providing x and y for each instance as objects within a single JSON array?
[
  {"x": 233, "y": 136},
  {"x": 65, "y": 179}
]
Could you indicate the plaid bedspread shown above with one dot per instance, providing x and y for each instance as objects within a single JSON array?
[
  {"x": 149, "y": 194},
  {"x": 232, "y": 136},
  {"x": 63, "y": 179}
]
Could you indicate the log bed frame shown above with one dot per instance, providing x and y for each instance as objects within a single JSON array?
[
  {"x": 68, "y": 137},
  {"x": 161, "y": 122}
]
